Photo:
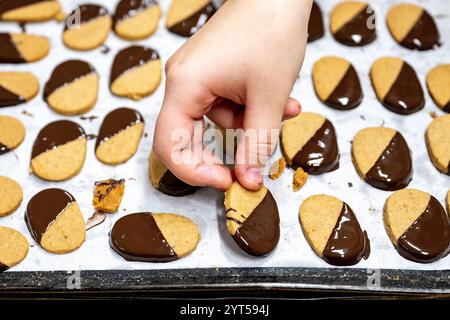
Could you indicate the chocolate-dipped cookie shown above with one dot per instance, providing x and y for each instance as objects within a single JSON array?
[
  {"x": 417, "y": 225},
  {"x": 136, "y": 19},
  {"x": 86, "y": 27},
  {"x": 22, "y": 47},
  {"x": 72, "y": 88},
  {"x": 438, "y": 83},
  {"x": 11, "y": 195},
  {"x": 59, "y": 151},
  {"x": 154, "y": 237},
  {"x": 55, "y": 221},
  {"x": 437, "y": 138},
  {"x": 396, "y": 85},
  {"x": 412, "y": 27},
  {"x": 135, "y": 73},
  {"x": 17, "y": 87},
  {"x": 12, "y": 133},
  {"x": 108, "y": 195},
  {"x": 186, "y": 17},
  {"x": 353, "y": 23},
  {"x": 29, "y": 10},
  {"x": 165, "y": 181},
  {"x": 382, "y": 158},
  {"x": 309, "y": 141},
  {"x": 336, "y": 83},
  {"x": 13, "y": 248},
  {"x": 252, "y": 219},
  {"x": 332, "y": 230},
  {"x": 119, "y": 136},
  {"x": 316, "y": 29}
]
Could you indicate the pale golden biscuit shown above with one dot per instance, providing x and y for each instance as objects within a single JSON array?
[
  {"x": 383, "y": 74},
  {"x": 277, "y": 169},
  {"x": 33, "y": 12},
  {"x": 299, "y": 180},
  {"x": 108, "y": 195},
  {"x": 12, "y": 133},
  {"x": 11, "y": 196},
  {"x": 327, "y": 74},
  {"x": 343, "y": 13},
  {"x": 156, "y": 170},
  {"x": 139, "y": 26},
  {"x": 13, "y": 248},
  {"x": 23, "y": 84},
  {"x": 181, "y": 233},
  {"x": 437, "y": 138},
  {"x": 30, "y": 47},
  {"x": 182, "y": 9},
  {"x": 401, "y": 18},
  {"x": 438, "y": 83}
]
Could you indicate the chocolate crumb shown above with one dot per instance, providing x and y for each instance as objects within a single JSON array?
[
  {"x": 25, "y": 112},
  {"x": 350, "y": 185},
  {"x": 89, "y": 118},
  {"x": 105, "y": 49},
  {"x": 91, "y": 136},
  {"x": 433, "y": 114}
]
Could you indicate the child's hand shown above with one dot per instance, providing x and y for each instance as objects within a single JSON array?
[{"x": 249, "y": 53}]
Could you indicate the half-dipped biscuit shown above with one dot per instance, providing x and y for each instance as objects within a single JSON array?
[
  {"x": 332, "y": 230},
  {"x": 12, "y": 133},
  {"x": 13, "y": 248},
  {"x": 72, "y": 88},
  {"x": 136, "y": 19},
  {"x": 186, "y": 17},
  {"x": 11, "y": 195},
  {"x": 119, "y": 136},
  {"x": 316, "y": 29},
  {"x": 17, "y": 87},
  {"x": 417, "y": 225},
  {"x": 59, "y": 151},
  {"x": 154, "y": 237},
  {"x": 412, "y": 27},
  {"x": 438, "y": 83},
  {"x": 165, "y": 181},
  {"x": 336, "y": 83},
  {"x": 108, "y": 195},
  {"x": 437, "y": 138},
  {"x": 22, "y": 47},
  {"x": 353, "y": 23},
  {"x": 29, "y": 10},
  {"x": 396, "y": 85},
  {"x": 55, "y": 221},
  {"x": 252, "y": 219},
  {"x": 135, "y": 73},
  {"x": 86, "y": 27},
  {"x": 382, "y": 158},
  {"x": 309, "y": 141}
]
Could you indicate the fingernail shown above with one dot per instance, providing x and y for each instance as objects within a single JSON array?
[{"x": 254, "y": 175}]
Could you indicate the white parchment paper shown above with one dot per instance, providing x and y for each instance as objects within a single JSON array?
[{"x": 217, "y": 249}]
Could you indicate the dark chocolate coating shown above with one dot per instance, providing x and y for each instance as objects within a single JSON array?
[
  {"x": 169, "y": 184},
  {"x": 357, "y": 31},
  {"x": 9, "y": 98},
  {"x": 8, "y": 50},
  {"x": 3, "y": 267},
  {"x": 424, "y": 35},
  {"x": 128, "y": 8},
  {"x": 3, "y": 149},
  {"x": 130, "y": 58},
  {"x": 8, "y": 5},
  {"x": 83, "y": 14},
  {"x": 191, "y": 25},
  {"x": 316, "y": 29},
  {"x": 347, "y": 94}
]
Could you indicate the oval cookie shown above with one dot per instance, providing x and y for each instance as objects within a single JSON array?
[
  {"x": 353, "y": 23},
  {"x": 438, "y": 83},
  {"x": 72, "y": 88},
  {"x": 135, "y": 73},
  {"x": 17, "y": 88},
  {"x": 382, "y": 158},
  {"x": 309, "y": 141},
  {"x": 86, "y": 27},
  {"x": 417, "y": 225},
  {"x": 55, "y": 221},
  {"x": 186, "y": 17},
  {"x": 336, "y": 83},
  {"x": 13, "y": 248},
  {"x": 412, "y": 27},
  {"x": 22, "y": 47},
  {"x": 396, "y": 85},
  {"x": 136, "y": 19},
  {"x": 11, "y": 196},
  {"x": 332, "y": 230},
  {"x": 59, "y": 151},
  {"x": 252, "y": 219},
  {"x": 29, "y": 10},
  {"x": 12, "y": 133},
  {"x": 119, "y": 136},
  {"x": 165, "y": 181},
  {"x": 154, "y": 237},
  {"x": 437, "y": 139},
  {"x": 316, "y": 29}
]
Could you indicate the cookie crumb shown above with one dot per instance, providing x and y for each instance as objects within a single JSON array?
[
  {"x": 433, "y": 114},
  {"x": 300, "y": 178},
  {"x": 108, "y": 195},
  {"x": 277, "y": 168}
]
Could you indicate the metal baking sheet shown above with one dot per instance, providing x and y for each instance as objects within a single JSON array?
[{"x": 218, "y": 260}]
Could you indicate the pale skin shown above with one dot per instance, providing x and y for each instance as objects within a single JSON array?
[{"x": 249, "y": 53}]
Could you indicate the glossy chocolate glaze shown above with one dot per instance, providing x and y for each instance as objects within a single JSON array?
[
  {"x": 169, "y": 184},
  {"x": 321, "y": 153},
  {"x": 66, "y": 73},
  {"x": 3, "y": 149},
  {"x": 357, "y": 31},
  {"x": 192, "y": 24},
  {"x": 130, "y": 58},
  {"x": 428, "y": 238},
  {"x": 316, "y": 29},
  {"x": 3, "y": 267},
  {"x": 136, "y": 237},
  {"x": 116, "y": 121},
  {"x": 8, "y": 5},
  {"x": 9, "y": 98},
  {"x": 424, "y": 35},
  {"x": 129, "y": 8},
  {"x": 44, "y": 208},
  {"x": 86, "y": 13},
  {"x": 8, "y": 50},
  {"x": 347, "y": 243},
  {"x": 393, "y": 170},
  {"x": 56, "y": 134},
  {"x": 347, "y": 94}
]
